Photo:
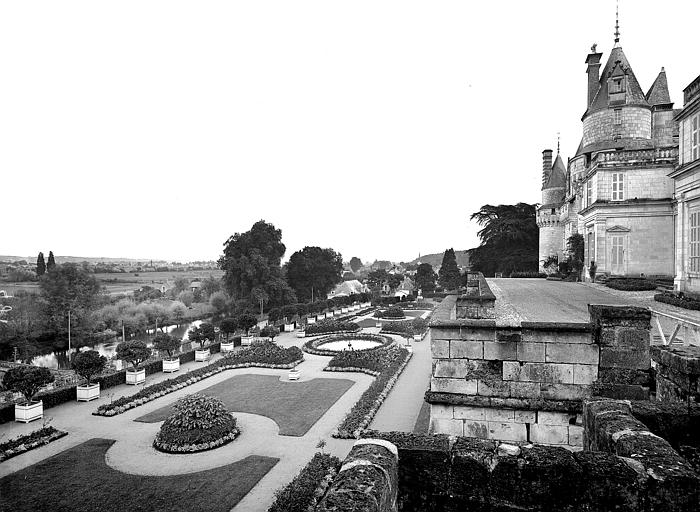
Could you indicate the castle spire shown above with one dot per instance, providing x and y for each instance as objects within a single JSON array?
[
  {"x": 558, "y": 138},
  {"x": 617, "y": 23}
]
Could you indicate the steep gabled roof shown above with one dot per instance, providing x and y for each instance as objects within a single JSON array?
[
  {"x": 658, "y": 93},
  {"x": 617, "y": 65},
  {"x": 557, "y": 177}
]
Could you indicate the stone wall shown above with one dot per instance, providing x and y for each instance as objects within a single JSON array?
[
  {"x": 677, "y": 373},
  {"x": 600, "y": 125},
  {"x": 526, "y": 383},
  {"x": 479, "y": 301}
]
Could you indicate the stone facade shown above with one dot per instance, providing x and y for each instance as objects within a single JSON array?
[
  {"x": 618, "y": 194},
  {"x": 686, "y": 178},
  {"x": 526, "y": 383}
]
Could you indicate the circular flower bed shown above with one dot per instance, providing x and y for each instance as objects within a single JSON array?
[
  {"x": 316, "y": 346},
  {"x": 199, "y": 423}
]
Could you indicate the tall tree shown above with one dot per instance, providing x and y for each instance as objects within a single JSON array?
[
  {"x": 355, "y": 263},
  {"x": 448, "y": 275},
  {"x": 40, "y": 265},
  {"x": 509, "y": 239},
  {"x": 426, "y": 277},
  {"x": 51, "y": 264},
  {"x": 315, "y": 269},
  {"x": 252, "y": 260}
]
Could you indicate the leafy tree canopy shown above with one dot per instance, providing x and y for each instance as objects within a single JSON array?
[
  {"x": 314, "y": 268},
  {"x": 51, "y": 264},
  {"x": 27, "y": 380},
  {"x": 426, "y": 277},
  {"x": 355, "y": 263},
  {"x": 509, "y": 239},
  {"x": 205, "y": 332},
  {"x": 40, "y": 265},
  {"x": 88, "y": 363},
  {"x": 133, "y": 351}
]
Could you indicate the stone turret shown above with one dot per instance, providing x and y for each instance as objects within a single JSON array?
[{"x": 548, "y": 215}]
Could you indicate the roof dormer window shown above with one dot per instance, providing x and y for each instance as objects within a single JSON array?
[{"x": 618, "y": 85}]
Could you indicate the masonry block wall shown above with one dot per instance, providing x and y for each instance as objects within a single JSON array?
[
  {"x": 526, "y": 383},
  {"x": 677, "y": 373}
]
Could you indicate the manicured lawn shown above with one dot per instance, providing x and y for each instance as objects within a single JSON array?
[
  {"x": 78, "y": 480},
  {"x": 294, "y": 406}
]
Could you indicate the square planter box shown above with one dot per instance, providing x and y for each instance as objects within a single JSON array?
[
  {"x": 29, "y": 412},
  {"x": 343, "y": 310},
  {"x": 87, "y": 393},
  {"x": 301, "y": 334},
  {"x": 417, "y": 337},
  {"x": 227, "y": 347},
  {"x": 337, "y": 312},
  {"x": 294, "y": 374},
  {"x": 202, "y": 355},
  {"x": 136, "y": 377},
  {"x": 171, "y": 365},
  {"x": 246, "y": 340},
  {"x": 288, "y": 327},
  {"x": 321, "y": 317},
  {"x": 409, "y": 348},
  {"x": 310, "y": 320},
  {"x": 379, "y": 324}
]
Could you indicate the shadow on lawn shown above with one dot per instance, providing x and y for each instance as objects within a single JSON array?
[{"x": 79, "y": 480}]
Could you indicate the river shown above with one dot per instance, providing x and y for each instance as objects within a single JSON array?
[{"x": 61, "y": 361}]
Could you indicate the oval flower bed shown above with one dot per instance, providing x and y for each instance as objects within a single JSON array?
[
  {"x": 386, "y": 365},
  {"x": 316, "y": 346},
  {"x": 23, "y": 444},
  {"x": 268, "y": 355},
  {"x": 392, "y": 313},
  {"x": 199, "y": 423}
]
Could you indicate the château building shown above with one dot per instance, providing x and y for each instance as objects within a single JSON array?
[{"x": 616, "y": 190}]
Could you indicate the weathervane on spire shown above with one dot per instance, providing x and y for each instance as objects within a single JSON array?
[
  {"x": 558, "y": 138},
  {"x": 617, "y": 22}
]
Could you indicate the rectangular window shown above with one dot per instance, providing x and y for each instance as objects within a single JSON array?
[
  {"x": 617, "y": 116},
  {"x": 695, "y": 137},
  {"x": 589, "y": 192},
  {"x": 694, "y": 242},
  {"x": 618, "y": 186}
]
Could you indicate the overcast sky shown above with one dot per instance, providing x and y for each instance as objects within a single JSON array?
[{"x": 158, "y": 129}]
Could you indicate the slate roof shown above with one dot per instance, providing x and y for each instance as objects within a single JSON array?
[
  {"x": 658, "y": 93},
  {"x": 557, "y": 176},
  {"x": 617, "y": 65}
]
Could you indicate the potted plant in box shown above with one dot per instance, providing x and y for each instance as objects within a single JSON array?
[
  {"x": 27, "y": 380},
  {"x": 170, "y": 344},
  {"x": 245, "y": 322},
  {"x": 134, "y": 352},
  {"x": 269, "y": 331},
  {"x": 202, "y": 334},
  {"x": 86, "y": 364},
  {"x": 228, "y": 326}
]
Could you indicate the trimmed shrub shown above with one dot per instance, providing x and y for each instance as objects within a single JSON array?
[
  {"x": 392, "y": 312},
  {"x": 134, "y": 352},
  {"x": 680, "y": 300},
  {"x": 88, "y": 363},
  {"x": 630, "y": 285},
  {"x": 27, "y": 380},
  {"x": 308, "y": 487},
  {"x": 199, "y": 423},
  {"x": 417, "y": 326},
  {"x": 521, "y": 275}
]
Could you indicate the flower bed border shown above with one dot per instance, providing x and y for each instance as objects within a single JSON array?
[
  {"x": 319, "y": 491},
  {"x": 51, "y": 435},
  {"x": 194, "y": 448},
  {"x": 331, "y": 333},
  {"x": 311, "y": 346},
  {"x": 378, "y": 401},
  {"x": 185, "y": 380}
]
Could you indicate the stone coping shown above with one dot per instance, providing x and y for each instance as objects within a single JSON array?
[
  {"x": 528, "y": 404},
  {"x": 681, "y": 358},
  {"x": 535, "y": 326}
]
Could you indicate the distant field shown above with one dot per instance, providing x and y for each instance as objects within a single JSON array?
[{"x": 125, "y": 282}]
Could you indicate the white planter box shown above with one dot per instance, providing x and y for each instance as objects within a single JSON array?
[
  {"x": 310, "y": 320},
  {"x": 202, "y": 355},
  {"x": 29, "y": 412},
  {"x": 379, "y": 324},
  {"x": 294, "y": 374},
  {"x": 417, "y": 337},
  {"x": 227, "y": 347},
  {"x": 355, "y": 307},
  {"x": 87, "y": 393},
  {"x": 288, "y": 327},
  {"x": 135, "y": 377},
  {"x": 409, "y": 348},
  {"x": 171, "y": 365},
  {"x": 337, "y": 312},
  {"x": 246, "y": 340},
  {"x": 301, "y": 334},
  {"x": 344, "y": 310},
  {"x": 322, "y": 316}
]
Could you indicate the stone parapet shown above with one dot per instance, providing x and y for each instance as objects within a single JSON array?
[
  {"x": 677, "y": 373},
  {"x": 667, "y": 479},
  {"x": 367, "y": 480}
]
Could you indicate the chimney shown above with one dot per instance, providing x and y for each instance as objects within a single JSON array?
[
  {"x": 546, "y": 165},
  {"x": 593, "y": 61}
]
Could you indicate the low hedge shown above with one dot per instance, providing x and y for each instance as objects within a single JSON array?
[
  {"x": 387, "y": 365},
  {"x": 331, "y": 325},
  {"x": 540, "y": 275},
  {"x": 419, "y": 326},
  {"x": 417, "y": 305},
  {"x": 679, "y": 300},
  {"x": 27, "y": 442},
  {"x": 267, "y": 355},
  {"x": 392, "y": 312},
  {"x": 309, "y": 486},
  {"x": 60, "y": 396},
  {"x": 631, "y": 285},
  {"x": 315, "y": 346}
]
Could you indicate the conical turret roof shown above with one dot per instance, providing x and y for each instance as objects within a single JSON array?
[
  {"x": 617, "y": 65},
  {"x": 658, "y": 93},
  {"x": 557, "y": 178}
]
